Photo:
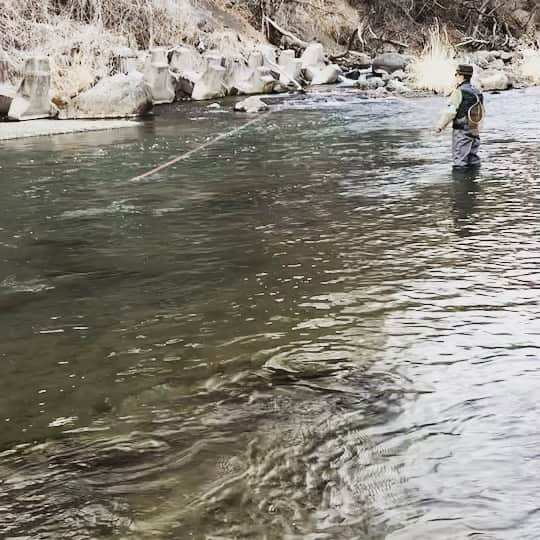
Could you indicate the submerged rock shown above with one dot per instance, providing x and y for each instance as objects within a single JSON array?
[
  {"x": 112, "y": 97},
  {"x": 251, "y": 105}
]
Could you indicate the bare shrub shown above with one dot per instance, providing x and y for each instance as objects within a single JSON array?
[
  {"x": 529, "y": 67},
  {"x": 434, "y": 68}
]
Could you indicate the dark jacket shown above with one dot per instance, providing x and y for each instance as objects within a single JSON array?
[{"x": 470, "y": 95}]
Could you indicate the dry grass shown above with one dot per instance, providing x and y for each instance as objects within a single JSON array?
[
  {"x": 80, "y": 36},
  {"x": 334, "y": 20},
  {"x": 434, "y": 69}
]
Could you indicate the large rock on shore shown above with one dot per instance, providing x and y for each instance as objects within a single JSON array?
[
  {"x": 371, "y": 83},
  {"x": 391, "y": 62},
  {"x": 494, "y": 80},
  {"x": 118, "y": 96}
]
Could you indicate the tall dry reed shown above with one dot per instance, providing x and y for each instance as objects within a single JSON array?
[{"x": 434, "y": 69}]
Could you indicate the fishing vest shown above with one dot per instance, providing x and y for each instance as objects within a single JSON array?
[{"x": 470, "y": 96}]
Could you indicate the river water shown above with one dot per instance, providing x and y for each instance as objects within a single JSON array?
[{"x": 312, "y": 329}]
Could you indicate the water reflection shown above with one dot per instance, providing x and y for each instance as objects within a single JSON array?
[
  {"x": 312, "y": 331},
  {"x": 466, "y": 190}
]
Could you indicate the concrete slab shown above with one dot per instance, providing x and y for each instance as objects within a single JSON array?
[{"x": 35, "y": 128}]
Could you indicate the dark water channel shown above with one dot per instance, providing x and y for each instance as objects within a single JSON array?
[{"x": 311, "y": 330}]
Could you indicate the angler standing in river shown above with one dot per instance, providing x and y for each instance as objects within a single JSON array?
[{"x": 466, "y": 111}]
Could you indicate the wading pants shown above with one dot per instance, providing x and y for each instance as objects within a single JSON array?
[{"x": 465, "y": 146}]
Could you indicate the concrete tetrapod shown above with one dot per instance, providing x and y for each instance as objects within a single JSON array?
[
  {"x": 158, "y": 77},
  {"x": 211, "y": 84},
  {"x": 290, "y": 67},
  {"x": 33, "y": 97},
  {"x": 315, "y": 67}
]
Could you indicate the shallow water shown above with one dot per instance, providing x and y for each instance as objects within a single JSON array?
[{"x": 309, "y": 330}]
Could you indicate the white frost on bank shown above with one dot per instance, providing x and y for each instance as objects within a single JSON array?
[{"x": 35, "y": 128}]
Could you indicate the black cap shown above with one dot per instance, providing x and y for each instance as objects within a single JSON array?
[{"x": 464, "y": 69}]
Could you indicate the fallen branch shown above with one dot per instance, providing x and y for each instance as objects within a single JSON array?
[
  {"x": 289, "y": 35},
  {"x": 470, "y": 41},
  {"x": 386, "y": 40},
  {"x": 392, "y": 42},
  {"x": 349, "y": 46}
]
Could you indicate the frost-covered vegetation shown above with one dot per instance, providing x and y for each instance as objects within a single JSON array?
[{"x": 82, "y": 36}]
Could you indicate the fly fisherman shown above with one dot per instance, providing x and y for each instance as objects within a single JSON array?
[{"x": 465, "y": 110}]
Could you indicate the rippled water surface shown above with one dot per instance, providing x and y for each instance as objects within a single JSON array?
[{"x": 310, "y": 330}]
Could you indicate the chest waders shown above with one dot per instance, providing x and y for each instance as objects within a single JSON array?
[{"x": 466, "y": 134}]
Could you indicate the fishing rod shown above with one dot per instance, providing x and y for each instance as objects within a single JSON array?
[{"x": 188, "y": 154}]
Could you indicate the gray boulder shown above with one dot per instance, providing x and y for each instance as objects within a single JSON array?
[
  {"x": 391, "y": 62},
  {"x": 496, "y": 64},
  {"x": 494, "y": 80},
  {"x": 382, "y": 74},
  {"x": 373, "y": 83},
  {"x": 483, "y": 58},
  {"x": 118, "y": 96},
  {"x": 361, "y": 60},
  {"x": 396, "y": 86}
]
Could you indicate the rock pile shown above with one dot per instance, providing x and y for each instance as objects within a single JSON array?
[{"x": 141, "y": 79}]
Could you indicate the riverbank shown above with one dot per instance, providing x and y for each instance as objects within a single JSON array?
[{"x": 207, "y": 50}]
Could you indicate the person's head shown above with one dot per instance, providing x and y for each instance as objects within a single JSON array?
[{"x": 464, "y": 73}]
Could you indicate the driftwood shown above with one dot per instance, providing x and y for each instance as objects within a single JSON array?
[
  {"x": 359, "y": 34},
  {"x": 287, "y": 38},
  {"x": 472, "y": 41}
]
